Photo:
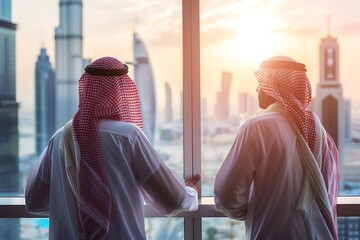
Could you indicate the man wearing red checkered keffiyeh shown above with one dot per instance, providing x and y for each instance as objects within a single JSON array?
[
  {"x": 283, "y": 155},
  {"x": 94, "y": 175},
  {"x": 105, "y": 92}
]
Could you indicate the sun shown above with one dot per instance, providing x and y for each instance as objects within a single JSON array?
[{"x": 255, "y": 39}]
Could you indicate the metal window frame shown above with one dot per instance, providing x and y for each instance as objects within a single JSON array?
[
  {"x": 191, "y": 105},
  {"x": 14, "y": 207}
]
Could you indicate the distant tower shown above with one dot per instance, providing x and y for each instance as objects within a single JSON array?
[
  {"x": 143, "y": 76},
  {"x": 247, "y": 103},
  {"x": 9, "y": 135},
  {"x": 329, "y": 103},
  {"x": 168, "y": 104},
  {"x": 44, "y": 101},
  {"x": 68, "y": 59},
  {"x": 222, "y": 101}
]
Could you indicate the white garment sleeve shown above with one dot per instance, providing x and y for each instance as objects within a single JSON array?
[
  {"x": 38, "y": 187},
  {"x": 162, "y": 189},
  {"x": 233, "y": 181},
  {"x": 166, "y": 194}
]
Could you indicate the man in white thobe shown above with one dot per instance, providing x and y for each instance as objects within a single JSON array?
[{"x": 281, "y": 174}]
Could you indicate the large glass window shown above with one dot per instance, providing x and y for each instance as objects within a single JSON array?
[
  {"x": 237, "y": 36},
  {"x": 55, "y": 40},
  {"x": 39, "y": 40}
]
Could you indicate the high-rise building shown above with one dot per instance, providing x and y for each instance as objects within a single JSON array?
[
  {"x": 168, "y": 104},
  {"x": 334, "y": 112},
  {"x": 44, "y": 101},
  {"x": 9, "y": 139},
  {"x": 69, "y": 62},
  {"x": 143, "y": 77},
  {"x": 247, "y": 103},
  {"x": 9, "y": 136},
  {"x": 222, "y": 98},
  {"x": 329, "y": 103}
]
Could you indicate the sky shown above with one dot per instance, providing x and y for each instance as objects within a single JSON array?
[{"x": 235, "y": 37}]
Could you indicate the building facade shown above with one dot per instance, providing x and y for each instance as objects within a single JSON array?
[
  {"x": 222, "y": 98},
  {"x": 334, "y": 112},
  {"x": 44, "y": 101},
  {"x": 329, "y": 103},
  {"x": 9, "y": 136},
  {"x": 69, "y": 61},
  {"x": 168, "y": 113},
  {"x": 143, "y": 77}
]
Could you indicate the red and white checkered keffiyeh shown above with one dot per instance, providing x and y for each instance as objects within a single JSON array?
[
  {"x": 285, "y": 80},
  {"x": 105, "y": 92}
]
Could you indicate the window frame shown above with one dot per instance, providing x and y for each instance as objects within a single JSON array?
[
  {"x": 14, "y": 207},
  {"x": 191, "y": 105}
]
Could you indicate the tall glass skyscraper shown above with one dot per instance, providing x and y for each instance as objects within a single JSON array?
[
  {"x": 143, "y": 76},
  {"x": 8, "y": 105},
  {"x": 68, "y": 59},
  {"x": 44, "y": 101},
  {"x": 9, "y": 137}
]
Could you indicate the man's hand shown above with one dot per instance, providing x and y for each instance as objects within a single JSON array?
[{"x": 193, "y": 181}]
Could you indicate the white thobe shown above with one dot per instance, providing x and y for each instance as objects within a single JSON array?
[
  {"x": 134, "y": 172},
  {"x": 261, "y": 179}
]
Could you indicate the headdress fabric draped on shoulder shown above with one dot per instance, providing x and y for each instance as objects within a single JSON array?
[{"x": 105, "y": 92}]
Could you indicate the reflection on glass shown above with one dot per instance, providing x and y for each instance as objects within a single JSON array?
[
  {"x": 38, "y": 228},
  {"x": 34, "y": 228},
  {"x": 222, "y": 228},
  {"x": 164, "y": 228},
  {"x": 349, "y": 228},
  {"x": 232, "y": 49},
  {"x": 53, "y": 47}
]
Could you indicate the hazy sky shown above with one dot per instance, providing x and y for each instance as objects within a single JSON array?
[{"x": 235, "y": 36}]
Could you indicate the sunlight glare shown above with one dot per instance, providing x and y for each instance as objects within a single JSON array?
[{"x": 255, "y": 40}]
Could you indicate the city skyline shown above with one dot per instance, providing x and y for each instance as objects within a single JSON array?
[
  {"x": 239, "y": 50},
  {"x": 107, "y": 33}
]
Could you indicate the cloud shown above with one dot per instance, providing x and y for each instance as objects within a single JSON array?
[
  {"x": 348, "y": 29},
  {"x": 299, "y": 31}
]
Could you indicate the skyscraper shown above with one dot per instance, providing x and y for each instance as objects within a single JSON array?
[
  {"x": 143, "y": 77},
  {"x": 44, "y": 101},
  {"x": 68, "y": 59},
  {"x": 329, "y": 103},
  {"x": 222, "y": 98},
  {"x": 168, "y": 104},
  {"x": 9, "y": 136},
  {"x": 247, "y": 103},
  {"x": 8, "y": 106}
]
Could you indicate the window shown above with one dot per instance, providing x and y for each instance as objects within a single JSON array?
[{"x": 201, "y": 99}]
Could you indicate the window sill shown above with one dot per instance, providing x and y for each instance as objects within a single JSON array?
[{"x": 14, "y": 207}]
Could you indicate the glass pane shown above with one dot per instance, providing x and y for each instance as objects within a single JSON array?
[
  {"x": 52, "y": 48},
  {"x": 46, "y": 73},
  {"x": 349, "y": 228},
  {"x": 38, "y": 228},
  {"x": 34, "y": 228},
  {"x": 164, "y": 228},
  {"x": 237, "y": 35},
  {"x": 222, "y": 228}
]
